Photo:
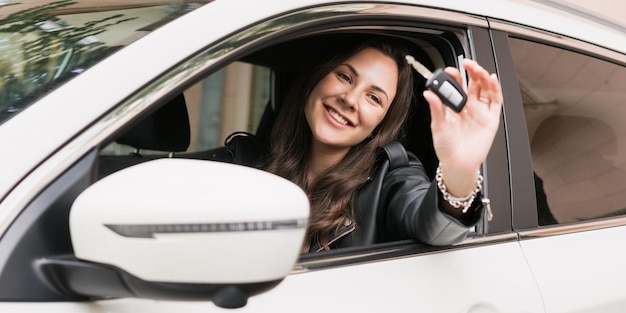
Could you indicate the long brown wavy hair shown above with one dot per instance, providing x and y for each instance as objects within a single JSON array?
[{"x": 331, "y": 196}]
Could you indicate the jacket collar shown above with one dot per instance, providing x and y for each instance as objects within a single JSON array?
[{"x": 345, "y": 229}]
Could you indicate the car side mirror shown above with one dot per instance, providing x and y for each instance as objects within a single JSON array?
[{"x": 182, "y": 229}]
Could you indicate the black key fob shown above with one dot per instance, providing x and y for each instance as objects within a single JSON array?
[{"x": 448, "y": 90}]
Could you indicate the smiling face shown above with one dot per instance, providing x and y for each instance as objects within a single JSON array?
[{"x": 349, "y": 102}]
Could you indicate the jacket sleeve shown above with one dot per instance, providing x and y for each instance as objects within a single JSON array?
[{"x": 411, "y": 203}]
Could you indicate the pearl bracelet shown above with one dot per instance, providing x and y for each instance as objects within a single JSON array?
[{"x": 457, "y": 202}]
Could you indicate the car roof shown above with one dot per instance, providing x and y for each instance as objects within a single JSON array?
[
  {"x": 542, "y": 14},
  {"x": 559, "y": 18}
]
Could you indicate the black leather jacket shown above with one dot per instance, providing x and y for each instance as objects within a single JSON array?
[{"x": 398, "y": 202}]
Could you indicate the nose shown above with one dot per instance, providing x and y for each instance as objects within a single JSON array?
[{"x": 350, "y": 98}]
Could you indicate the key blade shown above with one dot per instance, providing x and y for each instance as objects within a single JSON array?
[{"x": 419, "y": 67}]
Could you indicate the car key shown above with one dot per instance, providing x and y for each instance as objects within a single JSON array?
[{"x": 448, "y": 90}]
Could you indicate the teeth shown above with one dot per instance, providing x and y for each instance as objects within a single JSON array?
[{"x": 338, "y": 117}]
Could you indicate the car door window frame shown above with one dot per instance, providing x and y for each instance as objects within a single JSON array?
[
  {"x": 479, "y": 46},
  {"x": 524, "y": 204}
]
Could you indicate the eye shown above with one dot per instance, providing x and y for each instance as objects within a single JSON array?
[
  {"x": 375, "y": 98},
  {"x": 344, "y": 76}
]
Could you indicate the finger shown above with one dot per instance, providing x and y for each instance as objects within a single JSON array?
[
  {"x": 479, "y": 84},
  {"x": 485, "y": 87},
  {"x": 491, "y": 91},
  {"x": 490, "y": 86},
  {"x": 456, "y": 75},
  {"x": 495, "y": 89},
  {"x": 437, "y": 113}
]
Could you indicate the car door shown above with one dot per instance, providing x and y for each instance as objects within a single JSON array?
[
  {"x": 487, "y": 272},
  {"x": 568, "y": 139}
]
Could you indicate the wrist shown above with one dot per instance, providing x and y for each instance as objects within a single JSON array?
[
  {"x": 459, "y": 180},
  {"x": 465, "y": 199}
]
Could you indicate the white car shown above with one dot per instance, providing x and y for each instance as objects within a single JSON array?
[{"x": 113, "y": 112}]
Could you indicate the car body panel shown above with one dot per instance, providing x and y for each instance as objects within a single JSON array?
[
  {"x": 580, "y": 271},
  {"x": 376, "y": 286},
  {"x": 435, "y": 285}
]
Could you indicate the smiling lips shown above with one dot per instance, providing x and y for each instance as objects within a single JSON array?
[{"x": 337, "y": 117}]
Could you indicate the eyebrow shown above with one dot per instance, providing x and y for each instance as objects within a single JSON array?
[{"x": 353, "y": 70}]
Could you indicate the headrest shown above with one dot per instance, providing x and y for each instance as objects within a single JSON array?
[{"x": 166, "y": 129}]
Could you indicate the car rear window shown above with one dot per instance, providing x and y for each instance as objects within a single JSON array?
[
  {"x": 574, "y": 108},
  {"x": 43, "y": 46}
]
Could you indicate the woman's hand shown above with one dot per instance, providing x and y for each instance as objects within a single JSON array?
[{"x": 462, "y": 141}]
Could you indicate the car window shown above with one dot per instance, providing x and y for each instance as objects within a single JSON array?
[
  {"x": 574, "y": 107},
  {"x": 245, "y": 96},
  {"x": 242, "y": 96},
  {"x": 230, "y": 100},
  {"x": 41, "y": 47}
]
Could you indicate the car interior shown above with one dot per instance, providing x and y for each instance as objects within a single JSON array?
[{"x": 165, "y": 132}]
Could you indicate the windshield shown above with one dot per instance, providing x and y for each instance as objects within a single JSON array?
[{"x": 42, "y": 46}]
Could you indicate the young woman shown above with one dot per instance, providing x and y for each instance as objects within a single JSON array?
[{"x": 328, "y": 137}]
